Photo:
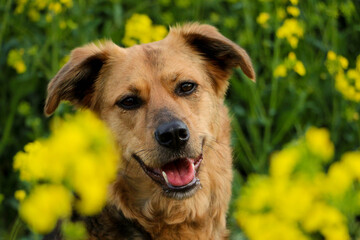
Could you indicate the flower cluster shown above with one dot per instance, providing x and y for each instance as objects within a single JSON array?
[
  {"x": 290, "y": 63},
  {"x": 263, "y": 19},
  {"x": 16, "y": 61},
  {"x": 291, "y": 29},
  {"x": 298, "y": 199},
  {"x": 347, "y": 82},
  {"x": 72, "y": 167},
  {"x": 139, "y": 29},
  {"x": 35, "y": 8}
]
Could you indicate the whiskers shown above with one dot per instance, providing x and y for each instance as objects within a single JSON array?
[
  {"x": 214, "y": 145},
  {"x": 132, "y": 166}
]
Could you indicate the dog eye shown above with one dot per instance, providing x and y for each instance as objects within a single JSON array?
[
  {"x": 185, "y": 88},
  {"x": 129, "y": 103}
]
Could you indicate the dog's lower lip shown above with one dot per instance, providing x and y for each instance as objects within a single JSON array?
[{"x": 156, "y": 174}]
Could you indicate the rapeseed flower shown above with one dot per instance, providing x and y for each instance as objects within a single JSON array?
[
  {"x": 290, "y": 63},
  {"x": 352, "y": 162},
  {"x": 15, "y": 60},
  {"x": 292, "y": 203},
  {"x": 280, "y": 13},
  {"x": 262, "y": 19},
  {"x": 79, "y": 158},
  {"x": 52, "y": 201},
  {"x": 319, "y": 143},
  {"x": 347, "y": 82},
  {"x": 280, "y": 71},
  {"x": 283, "y": 163},
  {"x": 20, "y": 195},
  {"x": 139, "y": 29},
  {"x": 35, "y": 9},
  {"x": 294, "y": 11},
  {"x": 292, "y": 30},
  {"x": 299, "y": 68}
]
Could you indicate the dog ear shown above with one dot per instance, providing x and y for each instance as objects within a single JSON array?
[
  {"x": 221, "y": 54},
  {"x": 75, "y": 82}
]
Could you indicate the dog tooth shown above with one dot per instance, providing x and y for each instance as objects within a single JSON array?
[
  {"x": 165, "y": 177},
  {"x": 193, "y": 166}
]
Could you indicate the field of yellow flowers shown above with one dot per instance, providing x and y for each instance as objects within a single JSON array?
[{"x": 296, "y": 131}]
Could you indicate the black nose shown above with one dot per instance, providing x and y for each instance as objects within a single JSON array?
[{"x": 172, "y": 134}]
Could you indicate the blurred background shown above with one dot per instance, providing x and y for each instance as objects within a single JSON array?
[{"x": 305, "y": 54}]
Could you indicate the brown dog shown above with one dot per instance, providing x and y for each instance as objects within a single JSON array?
[{"x": 164, "y": 103}]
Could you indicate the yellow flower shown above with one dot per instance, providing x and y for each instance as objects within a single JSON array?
[
  {"x": 331, "y": 56},
  {"x": 67, "y": 3},
  {"x": 214, "y": 17},
  {"x": 55, "y": 7},
  {"x": 41, "y": 4},
  {"x": 283, "y": 163},
  {"x": 322, "y": 216},
  {"x": 159, "y": 32},
  {"x": 280, "y": 13},
  {"x": 336, "y": 232},
  {"x": 295, "y": 201},
  {"x": 352, "y": 162},
  {"x": 339, "y": 178},
  {"x": 290, "y": 203},
  {"x": 20, "y": 5},
  {"x": 20, "y": 195},
  {"x": 139, "y": 29},
  {"x": 348, "y": 84},
  {"x": 62, "y": 24},
  {"x": 49, "y": 17},
  {"x": 280, "y": 71},
  {"x": 64, "y": 60},
  {"x": 299, "y": 68},
  {"x": 257, "y": 195},
  {"x": 30, "y": 163},
  {"x": 294, "y": 2},
  {"x": 344, "y": 62},
  {"x": 81, "y": 153},
  {"x": 263, "y": 18},
  {"x": 34, "y": 14},
  {"x": 292, "y": 56},
  {"x": 183, "y": 3},
  {"x": 291, "y": 30},
  {"x": 358, "y": 63},
  {"x": 15, "y": 60},
  {"x": 293, "y": 41},
  {"x": 51, "y": 201},
  {"x": 319, "y": 143},
  {"x": 294, "y": 11}
]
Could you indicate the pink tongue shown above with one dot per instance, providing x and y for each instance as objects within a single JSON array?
[{"x": 179, "y": 172}]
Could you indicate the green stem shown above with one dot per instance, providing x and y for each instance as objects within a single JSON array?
[
  {"x": 5, "y": 21},
  {"x": 243, "y": 143},
  {"x": 9, "y": 122},
  {"x": 15, "y": 229}
]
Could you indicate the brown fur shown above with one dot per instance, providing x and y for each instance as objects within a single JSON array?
[{"x": 97, "y": 76}]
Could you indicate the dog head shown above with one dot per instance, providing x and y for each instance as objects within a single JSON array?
[{"x": 161, "y": 100}]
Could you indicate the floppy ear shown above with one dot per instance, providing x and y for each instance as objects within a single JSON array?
[
  {"x": 221, "y": 54},
  {"x": 75, "y": 82}
]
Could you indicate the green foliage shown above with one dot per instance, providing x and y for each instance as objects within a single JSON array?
[{"x": 37, "y": 36}]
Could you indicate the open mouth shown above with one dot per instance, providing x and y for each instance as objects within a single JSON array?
[{"x": 179, "y": 175}]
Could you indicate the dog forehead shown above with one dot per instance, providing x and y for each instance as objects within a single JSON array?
[{"x": 146, "y": 66}]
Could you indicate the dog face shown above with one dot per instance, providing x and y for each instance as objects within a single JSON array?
[{"x": 161, "y": 100}]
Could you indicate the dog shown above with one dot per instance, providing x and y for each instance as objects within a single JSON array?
[{"x": 164, "y": 103}]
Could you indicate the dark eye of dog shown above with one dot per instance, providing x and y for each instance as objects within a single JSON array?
[
  {"x": 129, "y": 102},
  {"x": 185, "y": 88}
]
